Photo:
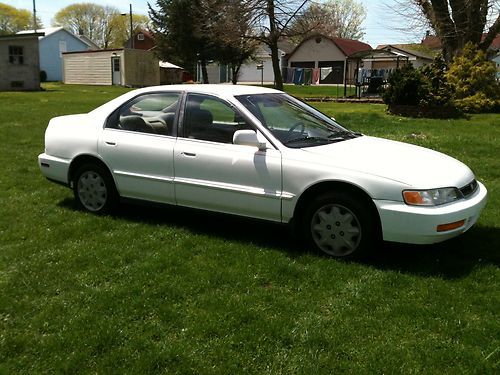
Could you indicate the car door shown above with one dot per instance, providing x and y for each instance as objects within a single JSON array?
[
  {"x": 137, "y": 144},
  {"x": 213, "y": 173}
]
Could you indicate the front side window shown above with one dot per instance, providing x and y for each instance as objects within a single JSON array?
[
  {"x": 16, "y": 55},
  {"x": 210, "y": 119},
  {"x": 293, "y": 123},
  {"x": 149, "y": 113}
]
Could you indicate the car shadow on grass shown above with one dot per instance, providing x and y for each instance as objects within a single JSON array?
[{"x": 451, "y": 259}]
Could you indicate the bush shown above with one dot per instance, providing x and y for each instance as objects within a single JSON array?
[
  {"x": 478, "y": 103},
  {"x": 43, "y": 76},
  {"x": 406, "y": 87},
  {"x": 469, "y": 85},
  {"x": 425, "y": 89},
  {"x": 439, "y": 92},
  {"x": 472, "y": 78}
]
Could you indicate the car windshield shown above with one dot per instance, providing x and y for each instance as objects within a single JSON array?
[{"x": 292, "y": 122}]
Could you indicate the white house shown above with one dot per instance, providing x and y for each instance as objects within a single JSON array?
[
  {"x": 412, "y": 56},
  {"x": 256, "y": 70}
]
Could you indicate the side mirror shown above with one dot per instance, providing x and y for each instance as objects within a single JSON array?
[{"x": 248, "y": 138}]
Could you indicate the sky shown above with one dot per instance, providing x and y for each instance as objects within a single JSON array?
[{"x": 381, "y": 26}]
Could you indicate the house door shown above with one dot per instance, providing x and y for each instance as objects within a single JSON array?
[{"x": 116, "y": 71}]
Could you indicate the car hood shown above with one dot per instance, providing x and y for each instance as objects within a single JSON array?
[{"x": 415, "y": 166}]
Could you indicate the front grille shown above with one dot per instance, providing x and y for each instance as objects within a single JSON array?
[{"x": 469, "y": 189}]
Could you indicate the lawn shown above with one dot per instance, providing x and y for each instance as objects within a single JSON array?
[{"x": 170, "y": 290}]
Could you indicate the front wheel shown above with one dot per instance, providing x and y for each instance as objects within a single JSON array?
[
  {"x": 340, "y": 225},
  {"x": 94, "y": 189}
]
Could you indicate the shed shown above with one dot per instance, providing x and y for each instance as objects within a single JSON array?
[
  {"x": 19, "y": 65},
  {"x": 53, "y": 44},
  {"x": 125, "y": 67}
]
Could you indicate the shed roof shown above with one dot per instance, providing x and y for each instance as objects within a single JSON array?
[
  {"x": 347, "y": 46},
  {"x": 52, "y": 30},
  {"x": 405, "y": 49}
]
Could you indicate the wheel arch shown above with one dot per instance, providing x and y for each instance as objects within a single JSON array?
[
  {"x": 80, "y": 160},
  {"x": 331, "y": 187}
]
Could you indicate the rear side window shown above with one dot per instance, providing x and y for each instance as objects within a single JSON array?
[{"x": 149, "y": 113}]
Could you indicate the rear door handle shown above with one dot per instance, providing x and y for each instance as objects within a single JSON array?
[
  {"x": 109, "y": 143},
  {"x": 189, "y": 154}
]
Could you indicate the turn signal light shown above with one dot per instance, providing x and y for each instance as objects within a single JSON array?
[{"x": 450, "y": 226}]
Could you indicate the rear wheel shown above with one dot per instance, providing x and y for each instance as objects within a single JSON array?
[
  {"x": 340, "y": 225},
  {"x": 94, "y": 189}
]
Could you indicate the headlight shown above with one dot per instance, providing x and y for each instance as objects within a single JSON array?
[{"x": 433, "y": 197}]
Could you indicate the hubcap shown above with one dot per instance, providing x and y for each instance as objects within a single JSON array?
[
  {"x": 92, "y": 191},
  {"x": 336, "y": 230}
]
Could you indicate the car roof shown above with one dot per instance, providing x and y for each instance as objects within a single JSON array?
[
  {"x": 221, "y": 90},
  {"x": 218, "y": 89}
]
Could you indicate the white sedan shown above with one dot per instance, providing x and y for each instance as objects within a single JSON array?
[{"x": 260, "y": 153}]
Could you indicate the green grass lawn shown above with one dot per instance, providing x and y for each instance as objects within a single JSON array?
[{"x": 171, "y": 290}]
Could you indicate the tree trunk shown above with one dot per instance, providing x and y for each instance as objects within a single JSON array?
[
  {"x": 458, "y": 22},
  {"x": 273, "y": 45},
  {"x": 278, "y": 79},
  {"x": 235, "y": 70},
  {"x": 204, "y": 73}
]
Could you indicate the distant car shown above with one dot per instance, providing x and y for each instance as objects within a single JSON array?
[{"x": 260, "y": 153}]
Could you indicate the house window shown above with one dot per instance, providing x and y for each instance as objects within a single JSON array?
[
  {"x": 140, "y": 36},
  {"x": 17, "y": 84},
  {"x": 16, "y": 55}
]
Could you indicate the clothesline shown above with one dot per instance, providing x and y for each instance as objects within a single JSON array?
[
  {"x": 313, "y": 76},
  {"x": 363, "y": 74},
  {"x": 305, "y": 76}
]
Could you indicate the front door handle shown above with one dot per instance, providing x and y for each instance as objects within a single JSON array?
[
  {"x": 109, "y": 143},
  {"x": 189, "y": 154}
]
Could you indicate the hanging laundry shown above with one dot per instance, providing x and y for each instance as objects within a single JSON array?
[
  {"x": 289, "y": 75},
  {"x": 325, "y": 72},
  {"x": 298, "y": 76},
  {"x": 307, "y": 76},
  {"x": 315, "y": 76}
]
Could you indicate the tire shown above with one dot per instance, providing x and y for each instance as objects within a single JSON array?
[
  {"x": 94, "y": 189},
  {"x": 341, "y": 225}
]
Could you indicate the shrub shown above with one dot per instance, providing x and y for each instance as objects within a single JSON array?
[
  {"x": 439, "y": 91},
  {"x": 43, "y": 76},
  {"x": 425, "y": 89},
  {"x": 406, "y": 87},
  {"x": 472, "y": 78}
]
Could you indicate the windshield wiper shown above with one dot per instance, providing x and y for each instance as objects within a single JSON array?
[
  {"x": 342, "y": 134},
  {"x": 307, "y": 139}
]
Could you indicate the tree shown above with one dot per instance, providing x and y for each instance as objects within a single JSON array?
[
  {"x": 119, "y": 28},
  {"x": 271, "y": 20},
  {"x": 104, "y": 25},
  {"x": 333, "y": 18},
  {"x": 13, "y": 20},
  {"x": 181, "y": 35},
  {"x": 458, "y": 22},
  {"x": 213, "y": 29},
  {"x": 229, "y": 29}
]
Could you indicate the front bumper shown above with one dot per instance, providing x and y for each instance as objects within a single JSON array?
[
  {"x": 418, "y": 225},
  {"x": 55, "y": 169}
]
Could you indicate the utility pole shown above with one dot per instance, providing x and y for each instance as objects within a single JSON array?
[
  {"x": 131, "y": 29},
  {"x": 131, "y": 45},
  {"x": 34, "y": 16}
]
